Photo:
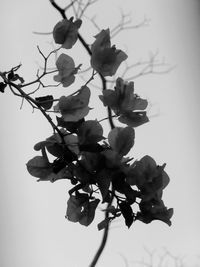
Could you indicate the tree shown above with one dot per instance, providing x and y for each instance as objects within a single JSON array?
[{"x": 97, "y": 166}]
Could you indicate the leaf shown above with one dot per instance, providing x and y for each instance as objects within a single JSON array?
[
  {"x": 90, "y": 132},
  {"x": 65, "y": 32},
  {"x": 39, "y": 167},
  {"x": 133, "y": 119},
  {"x": 91, "y": 148},
  {"x": 119, "y": 184},
  {"x": 127, "y": 213},
  {"x": 74, "y": 108},
  {"x": 2, "y": 87},
  {"x": 45, "y": 101},
  {"x": 71, "y": 126},
  {"x": 66, "y": 70},
  {"x": 103, "y": 224},
  {"x": 103, "y": 181},
  {"x": 121, "y": 139}
]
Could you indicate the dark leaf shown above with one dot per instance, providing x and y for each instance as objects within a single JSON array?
[
  {"x": 11, "y": 75},
  {"x": 103, "y": 181},
  {"x": 71, "y": 126},
  {"x": 127, "y": 213},
  {"x": 2, "y": 87},
  {"x": 45, "y": 101},
  {"x": 58, "y": 165},
  {"x": 91, "y": 148},
  {"x": 119, "y": 184}
]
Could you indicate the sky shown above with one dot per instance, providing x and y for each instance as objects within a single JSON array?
[{"x": 34, "y": 231}]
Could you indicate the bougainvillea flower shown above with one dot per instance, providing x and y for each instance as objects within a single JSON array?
[
  {"x": 127, "y": 105},
  {"x": 81, "y": 209},
  {"x": 66, "y": 70},
  {"x": 106, "y": 58},
  {"x": 150, "y": 211},
  {"x": 65, "y": 32},
  {"x": 150, "y": 178},
  {"x": 123, "y": 99},
  {"x": 74, "y": 107}
]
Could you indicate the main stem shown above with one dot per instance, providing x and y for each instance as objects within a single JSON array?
[{"x": 104, "y": 87}]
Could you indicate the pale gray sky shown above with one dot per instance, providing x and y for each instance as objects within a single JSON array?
[{"x": 33, "y": 229}]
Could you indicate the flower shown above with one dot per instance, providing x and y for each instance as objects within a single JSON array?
[
  {"x": 150, "y": 178},
  {"x": 151, "y": 211},
  {"x": 66, "y": 70},
  {"x": 106, "y": 59},
  {"x": 65, "y": 32},
  {"x": 74, "y": 107},
  {"x": 125, "y": 103}
]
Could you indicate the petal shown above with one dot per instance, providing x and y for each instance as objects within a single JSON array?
[
  {"x": 102, "y": 40},
  {"x": 121, "y": 139}
]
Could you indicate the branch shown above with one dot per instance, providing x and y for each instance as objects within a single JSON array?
[
  {"x": 105, "y": 237},
  {"x": 125, "y": 24},
  {"x": 104, "y": 87},
  {"x": 87, "y": 48}
]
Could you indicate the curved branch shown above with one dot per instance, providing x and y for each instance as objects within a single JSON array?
[
  {"x": 105, "y": 237},
  {"x": 101, "y": 247}
]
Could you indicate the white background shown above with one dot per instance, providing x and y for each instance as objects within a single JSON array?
[{"x": 34, "y": 231}]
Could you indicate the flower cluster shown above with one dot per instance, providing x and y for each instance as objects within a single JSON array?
[{"x": 99, "y": 167}]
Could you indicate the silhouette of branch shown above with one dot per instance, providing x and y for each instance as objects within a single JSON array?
[
  {"x": 82, "y": 7},
  {"x": 104, "y": 239},
  {"x": 144, "y": 67},
  {"x": 125, "y": 23},
  {"x": 165, "y": 259},
  {"x": 87, "y": 48},
  {"x": 104, "y": 87}
]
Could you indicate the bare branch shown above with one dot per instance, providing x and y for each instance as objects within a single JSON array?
[
  {"x": 83, "y": 10},
  {"x": 125, "y": 23},
  {"x": 45, "y": 72},
  {"x": 151, "y": 66},
  {"x": 42, "y": 33}
]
